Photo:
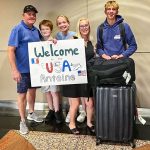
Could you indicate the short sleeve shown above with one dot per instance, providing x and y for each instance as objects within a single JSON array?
[{"x": 14, "y": 38}]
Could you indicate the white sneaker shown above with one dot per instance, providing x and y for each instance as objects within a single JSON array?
[
  {"x": 81, "y": 117},
  {"x": 23, "y": 128},
  {"x": 67, "y": 120},
  {"x": 34, "y": 117},
  {"x": 81, "y": 108}
]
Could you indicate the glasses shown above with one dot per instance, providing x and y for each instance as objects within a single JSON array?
[{"x": 84, "y": 26}]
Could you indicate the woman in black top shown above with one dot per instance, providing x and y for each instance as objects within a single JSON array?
[{"x": 76, "y": 91}]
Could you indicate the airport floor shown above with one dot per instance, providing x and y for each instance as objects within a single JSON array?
[{"x": 9, "y": 120}]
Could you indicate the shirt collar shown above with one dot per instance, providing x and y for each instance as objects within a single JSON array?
[{"x": 22, "y": 22}]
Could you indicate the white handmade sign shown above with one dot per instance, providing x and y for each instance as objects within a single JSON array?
[{"x": 57, "y": 64}]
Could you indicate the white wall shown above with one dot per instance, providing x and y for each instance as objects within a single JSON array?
[{"x": 135, "y": 12}]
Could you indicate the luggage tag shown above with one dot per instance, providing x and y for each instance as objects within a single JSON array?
[
  {"x": 141, "y": 119},
  {"x": 126, "y": 76}
]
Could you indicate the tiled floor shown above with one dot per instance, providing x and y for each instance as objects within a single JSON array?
[{"x": 10, "y": 120}]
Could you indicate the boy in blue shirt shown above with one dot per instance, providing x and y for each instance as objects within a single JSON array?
[
  {"x": 19, "y": 38},
  {"x": 113, "y": 47}
]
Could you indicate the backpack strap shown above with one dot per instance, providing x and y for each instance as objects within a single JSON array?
[
  {"x": 123, "y": 35},
  {"x": 101, "y": 27},
  {"x": 40, "y": 36}
]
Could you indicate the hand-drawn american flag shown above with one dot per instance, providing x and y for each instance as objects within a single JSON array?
[{"x": 81, "y": 72}]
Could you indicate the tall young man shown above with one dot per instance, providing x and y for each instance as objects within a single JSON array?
[
  {"x": 110, "y": 45},
  {"x": 20, "y": 36}
]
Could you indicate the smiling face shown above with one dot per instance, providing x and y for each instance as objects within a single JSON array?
[
  {"x": 29, "y": 18},
  {"x": 111, "y": 13},
  {"x": 111, "y": 10},
  {"x": 45, "y": 31},
  {"x": 84, "y": 28},
  {"x": 63, "y": 24}
]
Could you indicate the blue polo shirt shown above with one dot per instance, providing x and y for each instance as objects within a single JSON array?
[{"x": 20, "y": 36}]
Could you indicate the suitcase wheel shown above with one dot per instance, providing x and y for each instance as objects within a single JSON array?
[{"x": 98, "y": 141}]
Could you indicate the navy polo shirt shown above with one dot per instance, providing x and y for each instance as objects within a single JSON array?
[{"x": 20, "y": 36}]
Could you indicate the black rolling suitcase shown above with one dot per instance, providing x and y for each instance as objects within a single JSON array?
[{"x": 115, "y": 114}]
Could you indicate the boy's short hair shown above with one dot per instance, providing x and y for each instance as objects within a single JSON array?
[
  {"x": 113, "y": 4},
  {"x": 47, "y": 23}
]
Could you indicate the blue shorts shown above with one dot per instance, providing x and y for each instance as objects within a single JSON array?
[{"x": 24, "y": 84}]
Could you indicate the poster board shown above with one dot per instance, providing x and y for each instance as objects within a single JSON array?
[{"x": 57, "y": 64}]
